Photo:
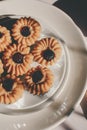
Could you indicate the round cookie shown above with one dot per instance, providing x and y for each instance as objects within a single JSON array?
[
  {"x": 5, "y": 38},
  {"x": 17, "y": 59},
  {"x": 1, "y": 67},
  {"x": 38, "y": 80},
  {"x": 26, "y": 31},
  {"x": 11, "y": 89},
  {"x": 47, "y": 51}
]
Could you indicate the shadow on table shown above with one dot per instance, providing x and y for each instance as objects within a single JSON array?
[
  {"x": 66, "y": 126},
  {"x": 79, "y": 113}
]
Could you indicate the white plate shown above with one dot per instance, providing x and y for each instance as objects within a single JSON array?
[
  {"x": 60, "y": 69},
  {"x": 76, "y": 81}
]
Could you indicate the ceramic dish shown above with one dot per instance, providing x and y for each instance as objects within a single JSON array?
[
  {"x": 60, "y": 70},
  {"x": 73, "y": 88}
]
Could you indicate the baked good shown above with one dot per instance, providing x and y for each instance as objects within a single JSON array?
[
  {"x": 26, "y": 30},
  {"x": 17, "y": 59},
  {"x": 5, "y": 38},
  {"x": 47, "y": 51},
  {"x": 1, "y": 67},
  {"x": 38, "y": 80},
  {"x": 11, "y": 89}
]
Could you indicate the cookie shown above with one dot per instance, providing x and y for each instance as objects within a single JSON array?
[
  {"x": 26, "y": 31},
  {"x": 11, "y": 89},
  {"x": 17, "y": 59},
  {"x": 38, "y": 80},
  {"x": 1, "y": 67},
  {"x": 5, "y": 38},
  {"x": 47, "y": 51}
]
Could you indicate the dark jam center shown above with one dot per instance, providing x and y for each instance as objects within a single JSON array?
[
  {"x": 25, "y": 31},
  {"x": 18, "y": 58},
  {"x": 48, "y": 54},
  {"x": 37, "y": 76},
  {"x": 1, "y": 35},
  {"x": 8, "y": 84}
]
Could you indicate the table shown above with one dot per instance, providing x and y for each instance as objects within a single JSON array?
[{"x": 77, "y": 10}]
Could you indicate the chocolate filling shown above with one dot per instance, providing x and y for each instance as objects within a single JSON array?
[
  {"x": 18, "y": 58},
  {"x": 37, "y": 76},
  {"x": 25, "y": 31},
  {"x": 48, "y": 54},
  {"x": 8, "y": 84},
  {"x": 1, "y": 35}
]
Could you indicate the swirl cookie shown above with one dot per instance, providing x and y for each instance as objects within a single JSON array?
[
  {"x": 11, "y": 89},
  {"x": 17, "y": 59},
  {"x": 5, "y": 38},
  {"x": 47, "y": 51},
  {"x": 39, "y": 80},
  {"x": 1, "y": 67},
  {"x": 26, "y": 31}
]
